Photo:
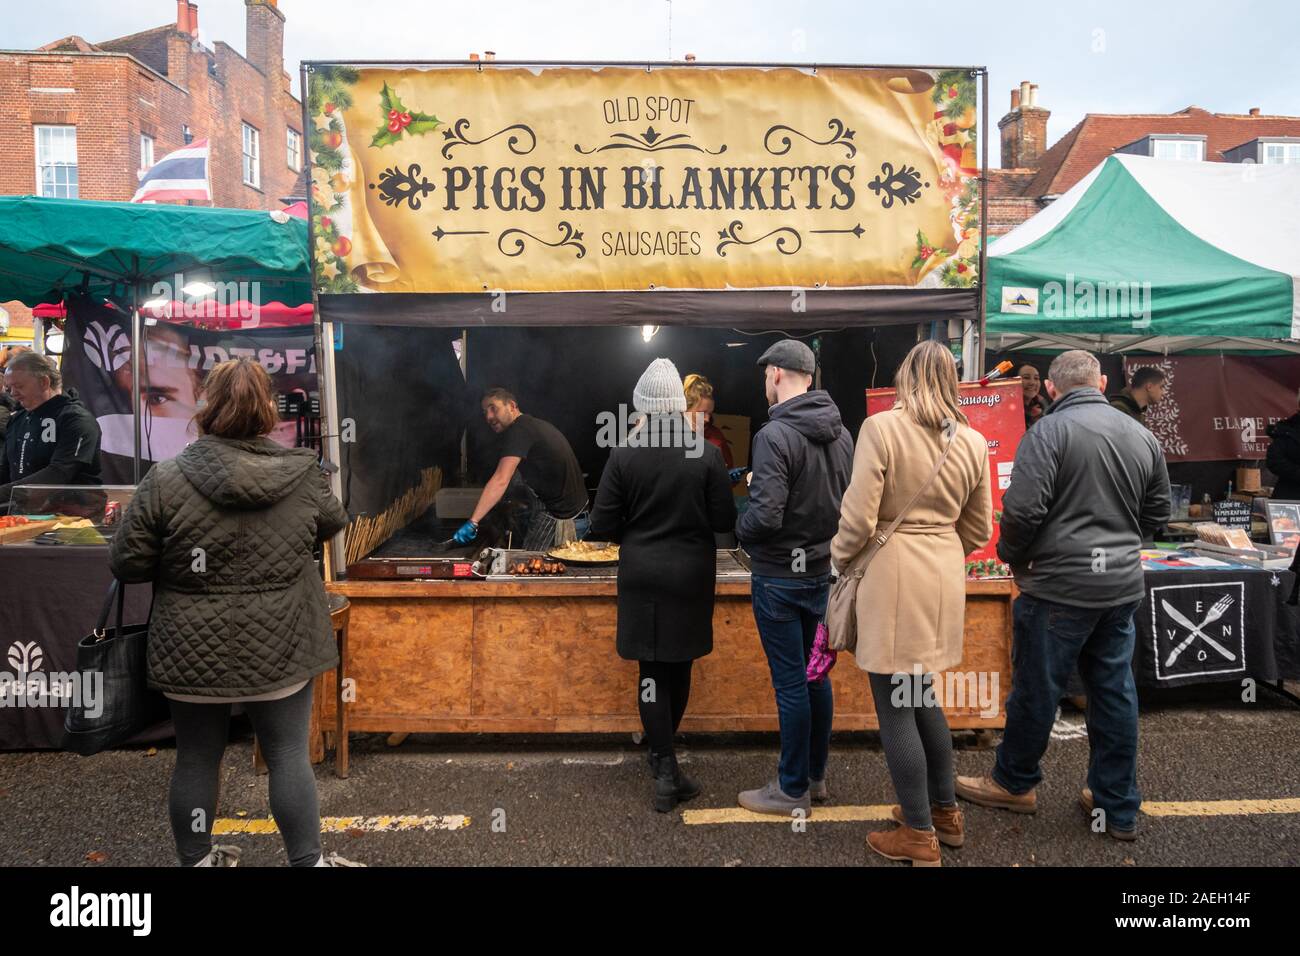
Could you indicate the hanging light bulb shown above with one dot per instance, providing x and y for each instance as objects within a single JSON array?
[{"x": 648, "y": 332}]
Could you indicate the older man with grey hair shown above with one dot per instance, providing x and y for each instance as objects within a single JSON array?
[
  {"x": 1089, "y": 485},
  {"x": 53, "y": 439}
]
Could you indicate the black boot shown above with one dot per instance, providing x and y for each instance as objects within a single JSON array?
[{"x": 670, "y": 785}]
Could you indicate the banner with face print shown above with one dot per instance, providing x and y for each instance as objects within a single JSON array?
[
  {"x": 444, "y": 179},
  {"x": 176, "y": 359}
]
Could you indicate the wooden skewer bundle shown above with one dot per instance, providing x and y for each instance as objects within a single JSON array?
[{"x": 365, "y": 533}]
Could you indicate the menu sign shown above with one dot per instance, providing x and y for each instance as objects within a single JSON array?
[{"x": 1232, "y": 514}]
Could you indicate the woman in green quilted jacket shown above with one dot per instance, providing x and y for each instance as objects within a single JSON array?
[{"x": 226, "y": 530}]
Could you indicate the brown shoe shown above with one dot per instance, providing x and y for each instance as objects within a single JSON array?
[
  {"x": 949, "y": 824},
  {"x": 921, "y": 847},
  {"x": 1086, "y": 801},
  {"x": 987, "y": 792}
]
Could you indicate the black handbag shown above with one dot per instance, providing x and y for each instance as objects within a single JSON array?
[{"x": 112, "y": 661}]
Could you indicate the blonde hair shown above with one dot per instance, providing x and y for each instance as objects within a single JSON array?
[
  {"x": 697, "y": 388},
  {"x": 926, "y": 386}
]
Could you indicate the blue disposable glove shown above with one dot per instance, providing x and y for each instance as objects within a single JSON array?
[
  {"x": 735, "y": 474},
  {"x": 467, "y": 533}
]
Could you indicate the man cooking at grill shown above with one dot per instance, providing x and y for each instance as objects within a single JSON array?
[{"x": 547, "y": 466}]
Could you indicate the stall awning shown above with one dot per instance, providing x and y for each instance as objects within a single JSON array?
[
  {"x": 52, "y": 246},
  {"x": 758, "y": 309},
  {"x": 1154, "y": 254}
]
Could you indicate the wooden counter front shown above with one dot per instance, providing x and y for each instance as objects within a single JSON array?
[{"x": 539, "y": 656}]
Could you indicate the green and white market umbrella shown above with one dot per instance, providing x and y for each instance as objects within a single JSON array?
[{"x": 1154, "y": 255}]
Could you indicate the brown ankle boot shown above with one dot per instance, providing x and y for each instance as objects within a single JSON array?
[
  {"x": 921, "y": 847},
  {"x": 949, "y": 824}
]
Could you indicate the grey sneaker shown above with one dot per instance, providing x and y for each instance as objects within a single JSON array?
[
  {"x": 221, "y": 855},
  {"x": 818, "y": 792},
  {"x": 770, "y": 798},
  {"x": 333, "y": 859}
]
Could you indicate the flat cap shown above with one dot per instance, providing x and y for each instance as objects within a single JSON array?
[{"x": 790, "y": 354}]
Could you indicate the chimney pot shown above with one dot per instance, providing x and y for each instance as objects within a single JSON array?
[
  {"x": 690, "y": 58},
  {"x": 1254, "y": 111},
  {"x": 1033, "y": 96},
  {"x": 473, "y": 57},
  {"x": 489, "y": 55},
  {"x": 194, "y": 18},
  {"x": 1015, "y": 100},
  {"x": 182, "y": 16}
]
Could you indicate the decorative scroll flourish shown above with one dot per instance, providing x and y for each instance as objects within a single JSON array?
[
  {"x": 455, "y": 136},
  {"x": 651, "y": 141},
  {"x": 840, "y": 136},
  {"x": 440, "y": 232},
  {"x": 731, "y": 236},
  {"x": 397, "y": 187},
  {"x": 905, "y": 185},
  {"x": 569, "y": 236},
  {"x": 857, "y": 231}
]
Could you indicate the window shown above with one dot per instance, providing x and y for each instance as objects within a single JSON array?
[
  {"x": 1281, "y": 153},
  {"x": 146, "y": 152},
  {"x": 252, "y": 169},
  {"x": 56, "y": 161},
  {"x": 293, "y": 148},
  {"x": 1186, "y": 149}
]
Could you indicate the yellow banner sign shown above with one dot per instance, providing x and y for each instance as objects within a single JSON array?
[{"x": 619, "y": 179}]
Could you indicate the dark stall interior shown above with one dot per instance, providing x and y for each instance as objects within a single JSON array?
[{"x": 403, "y": 389}]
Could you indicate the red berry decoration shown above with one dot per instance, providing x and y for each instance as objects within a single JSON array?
[
  {"x": 329, "y": 109},
  {"x": 952, "y": 92},
  {"x": 392, "y": 115},
  {"x": 961, "y": 267},
  {"x": 405, "y": 120},
  {"x": 342, "y": 246},
  {"x": 326, "y": 222},
  {"x": 950, "y": 129},
  {"x": 394, "y": 126}
]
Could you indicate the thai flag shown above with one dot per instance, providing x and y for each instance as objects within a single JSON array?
[{"x": 179, "y": 175}]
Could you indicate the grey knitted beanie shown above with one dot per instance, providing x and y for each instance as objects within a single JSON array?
[{"x": 659, "y": 389}]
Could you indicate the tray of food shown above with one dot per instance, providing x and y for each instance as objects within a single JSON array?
[
  {"x": 586, "y": 553},
  {"x": 533, "y": 565},
  {"x": 16, "y": 528}
]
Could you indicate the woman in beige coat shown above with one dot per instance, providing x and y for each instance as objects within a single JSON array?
[{"x": 911, "y": 601}]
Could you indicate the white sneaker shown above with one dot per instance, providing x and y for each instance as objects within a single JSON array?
[
  {"x": 333, "y": 859},
  {"x": 221, "y": 855}
]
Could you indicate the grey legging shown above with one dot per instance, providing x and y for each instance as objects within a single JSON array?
[
  {"x": 917, "y": 744},
  {"x": 281, "y": 727}
]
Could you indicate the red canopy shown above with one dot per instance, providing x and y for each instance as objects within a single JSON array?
[{"x": 209, "y": 313}]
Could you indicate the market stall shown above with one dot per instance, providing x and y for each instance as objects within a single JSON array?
[
  {"x": 150, "y": 296},
  {"x": 1192, "y": 268},
  {"x": 550, "y": 228}
]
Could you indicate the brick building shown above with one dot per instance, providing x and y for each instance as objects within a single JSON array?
[
  {"x": 1032, "y": 175},
  {"x": 81, "y": 119}
]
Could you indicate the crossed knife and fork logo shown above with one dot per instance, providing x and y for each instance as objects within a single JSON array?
[{"x": 1219, "y": 608}]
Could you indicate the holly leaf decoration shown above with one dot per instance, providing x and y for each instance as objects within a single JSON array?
[{"x": 420, "y": 124}]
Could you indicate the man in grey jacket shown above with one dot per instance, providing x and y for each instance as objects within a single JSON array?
[{"x": 1089, "y": 485}]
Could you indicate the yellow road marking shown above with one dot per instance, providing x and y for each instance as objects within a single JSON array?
[
  {"x": 852, "y": 814},
  {"x": 1219, "y": 808},
  {"x": 384, "y": 824},
  {"x": 819, "y": 815}
]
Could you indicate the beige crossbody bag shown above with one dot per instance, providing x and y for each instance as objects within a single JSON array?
[{"x": 841, "y": 606}]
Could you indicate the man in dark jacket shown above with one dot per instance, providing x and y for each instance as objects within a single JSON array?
[
  {"x": 1284, "y": 457},
  {"x": 803, "y": 459},
  {"x": 1146, "y": 389},
  {"x": 1088, "y": 486},
  {"x": 54, "y": 439}
]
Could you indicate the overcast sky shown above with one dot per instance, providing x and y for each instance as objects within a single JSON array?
[{"x": 1111, "y": 56}]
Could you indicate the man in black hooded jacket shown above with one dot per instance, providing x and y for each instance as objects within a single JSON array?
[
  {"x": 803, "y": 459},
  {"x": 1284, "y": 457},
  {"x": 54, "y": 439}
]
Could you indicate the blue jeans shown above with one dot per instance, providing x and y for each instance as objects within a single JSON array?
[
  {"x": 1050, "y": 639},
  {"x": 787, "y": 611}
]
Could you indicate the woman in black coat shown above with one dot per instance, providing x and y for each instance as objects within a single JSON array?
[
  {"x": 1284, "y": 457},
  {"x": 662, "y": 497}
]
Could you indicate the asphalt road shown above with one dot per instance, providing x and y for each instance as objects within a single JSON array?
[{"x": 586, "y": 801}]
